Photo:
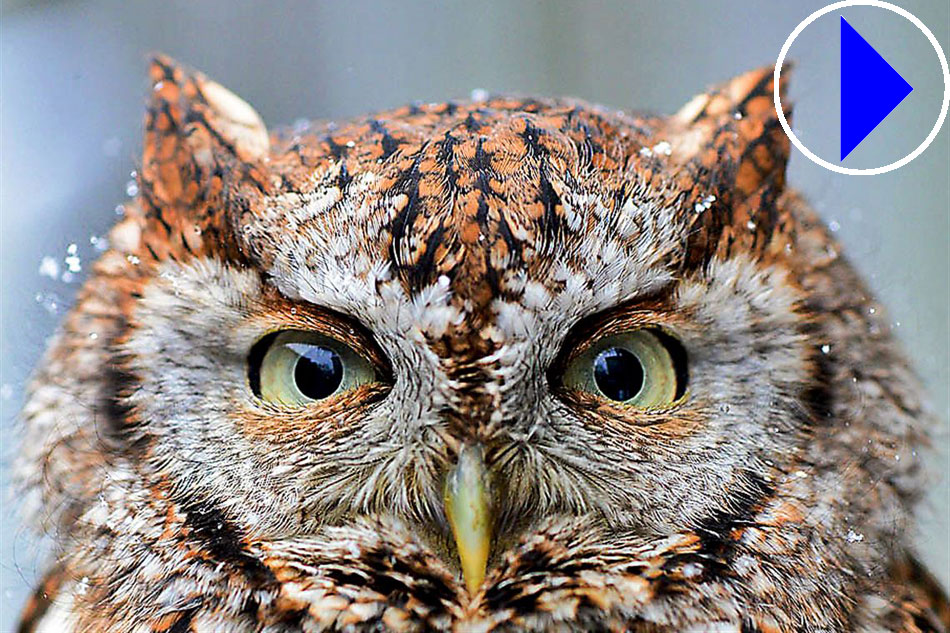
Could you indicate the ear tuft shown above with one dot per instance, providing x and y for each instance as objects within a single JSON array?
[
  {"x": 200, "y": 139},
  {"x": 237, "y": 120},
  {"x": 750, "y": 93},
  {"x": 730, "y": 147},
  {"x": 732, "y": 133},
  {"x": 191, "y": 99}
]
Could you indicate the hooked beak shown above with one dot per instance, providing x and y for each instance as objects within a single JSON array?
[{"x": 468, "y": 509}]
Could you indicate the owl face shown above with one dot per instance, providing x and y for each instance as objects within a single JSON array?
[
  {"x": 551, "y": 363},
  {"x": 472, "y": 278}
]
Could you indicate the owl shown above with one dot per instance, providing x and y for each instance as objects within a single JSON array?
[{"x": 494, "y": 365}]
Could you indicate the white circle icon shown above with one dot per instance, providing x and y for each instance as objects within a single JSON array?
[{"x": 851, "y": 171}]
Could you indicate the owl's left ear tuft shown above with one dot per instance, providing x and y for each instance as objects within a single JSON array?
[{"x": 733, "y": 132}]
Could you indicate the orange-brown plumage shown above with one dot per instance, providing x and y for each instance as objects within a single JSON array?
[{"x": 470, "y": 253}]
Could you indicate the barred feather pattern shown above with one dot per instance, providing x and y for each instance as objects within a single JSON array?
[{"x": 466, "y": 248}]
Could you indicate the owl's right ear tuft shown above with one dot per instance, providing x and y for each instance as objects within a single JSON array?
[
  {"x": 191, "y": 124},
  {"x": 200, "y": 138}
]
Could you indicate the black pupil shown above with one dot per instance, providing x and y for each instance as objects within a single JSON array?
[
  {"x": 618, "y": 373},
  {"x": 318, "y": 373}
]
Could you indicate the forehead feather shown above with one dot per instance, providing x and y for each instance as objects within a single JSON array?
[
  {"x": 483, "y": 194},
  {"x": 486, "y": 195}
]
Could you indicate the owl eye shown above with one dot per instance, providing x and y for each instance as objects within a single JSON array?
[
  {"x": 642, "y": 368},
  {"x": 297, "y": 368}
]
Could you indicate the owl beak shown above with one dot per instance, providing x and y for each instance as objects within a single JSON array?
[{"x": 468, "y": 509}]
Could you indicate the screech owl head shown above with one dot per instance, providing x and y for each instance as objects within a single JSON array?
[{"x": 461, "y": 326}]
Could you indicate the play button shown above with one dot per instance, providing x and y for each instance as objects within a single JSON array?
[
  {"x": 870, "y": 91},
  {"x": 870, "y": 88}
]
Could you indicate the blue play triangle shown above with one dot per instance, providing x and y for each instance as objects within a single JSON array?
[{"x": 870, "y": 88}]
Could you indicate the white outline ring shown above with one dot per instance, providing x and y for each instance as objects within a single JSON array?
[{"x": 851, "y": 171}]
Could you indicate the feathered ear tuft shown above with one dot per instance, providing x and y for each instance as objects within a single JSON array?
[
  {"x": 734, "y": 128},
  {"x": 199, "y": 139},
  {"x": 192, "y": 121},
  {"x": 733, "y": 153}
]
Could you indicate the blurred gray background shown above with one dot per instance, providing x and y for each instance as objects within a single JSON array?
[{"x": 73, "y": 83}]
